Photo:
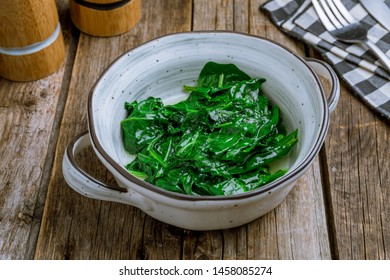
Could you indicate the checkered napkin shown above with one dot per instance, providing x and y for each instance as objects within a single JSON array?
[{"x": 354, "y": 64}]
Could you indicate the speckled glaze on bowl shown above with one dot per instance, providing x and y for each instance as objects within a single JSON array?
[{"x": 160, "y": 68}]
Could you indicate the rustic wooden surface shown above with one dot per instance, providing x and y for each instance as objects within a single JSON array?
[{"x": 338, "y": 210}]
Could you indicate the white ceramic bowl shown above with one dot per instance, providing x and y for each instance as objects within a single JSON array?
[{"x": 160, "y": 68}]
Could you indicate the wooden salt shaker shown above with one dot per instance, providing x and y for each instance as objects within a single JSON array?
[
  {"x": 31, "y": 42},
  {"x": 105, "y": 17}
]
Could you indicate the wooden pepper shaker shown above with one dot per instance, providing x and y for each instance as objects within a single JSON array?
[
  {"x": 105, "y": 17},
  {"x": 31, "y": 42}
]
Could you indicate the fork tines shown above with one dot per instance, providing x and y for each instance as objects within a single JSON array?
[{"x": 332, "y": 14}]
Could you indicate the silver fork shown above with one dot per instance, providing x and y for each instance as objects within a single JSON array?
[{"x": 344, "y": 27}]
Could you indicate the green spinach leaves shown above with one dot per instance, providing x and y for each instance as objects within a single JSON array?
[{"x": 219, "y": 141}]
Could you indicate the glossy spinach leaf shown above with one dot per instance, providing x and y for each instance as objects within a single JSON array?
[
  {"x": 212, "y": 74},
  {"x": 221, "y": 140}
]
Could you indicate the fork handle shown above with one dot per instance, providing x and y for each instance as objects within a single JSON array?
[{"x": 381, "y": 55}]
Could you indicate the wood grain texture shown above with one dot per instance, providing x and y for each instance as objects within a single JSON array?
[
  {"x": 25, "y": 22},
  {"x": 35, "y": 66},
  {"x": 27, "y": 113},
  {"x": 75, "y": 227},
  {"x": 357, "y": 153},
  {"x": 339, "y": 209},
  {"x": 297, "y": 228},
  {"x": 213, "y": 15},
  {"x": 105, "y": 22}
]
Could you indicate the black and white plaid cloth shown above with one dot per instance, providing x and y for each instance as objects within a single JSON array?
[{"x": 354, "y": 64}]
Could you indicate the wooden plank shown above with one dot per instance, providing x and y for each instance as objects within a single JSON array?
[
  {"x": 226, "y": 244},
  {"x": 75, "y": 227},
  {"x": 297, "y": 228},
  {"x": 213, "y": 15},
  {"x": 27, "y": 115},
  {"x": 300, "y": 230},
  {"x": 357, "y": 153}
]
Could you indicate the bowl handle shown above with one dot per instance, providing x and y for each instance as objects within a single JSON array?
[
  {"x": 324, "y": 70},
  {"x": 89, "y": 186}
]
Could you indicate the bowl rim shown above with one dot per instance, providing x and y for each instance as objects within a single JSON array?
[{"x": 290, "y": 176}]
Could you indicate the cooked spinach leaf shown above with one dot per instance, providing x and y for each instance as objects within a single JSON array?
[{"x": 219, "y": 141}]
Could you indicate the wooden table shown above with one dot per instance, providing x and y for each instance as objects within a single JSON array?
[{"x": 338, "y": 210}]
